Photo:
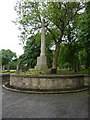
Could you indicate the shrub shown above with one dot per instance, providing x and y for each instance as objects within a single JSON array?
[{"x": 33, "y": 72}]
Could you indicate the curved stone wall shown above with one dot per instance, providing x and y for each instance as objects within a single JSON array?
[
  {"x": 47, "y": 81},
  {"x": 4, "y": 78}
]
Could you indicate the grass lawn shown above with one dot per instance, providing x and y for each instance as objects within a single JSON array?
[
  {"x": 69, "y": 71},
  {"x": 8, "y": 71}
]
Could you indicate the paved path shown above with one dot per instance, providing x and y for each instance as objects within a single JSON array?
[
  {"x": 22, "y": 105},
  {"x": 0, "y": 98}
]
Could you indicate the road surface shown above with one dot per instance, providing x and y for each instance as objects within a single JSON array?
[{"x": 22, "y": 105}]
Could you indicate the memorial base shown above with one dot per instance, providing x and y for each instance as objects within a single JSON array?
[{"x": 41, "y": 62}]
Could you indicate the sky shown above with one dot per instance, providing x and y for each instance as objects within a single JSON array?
[{"x": 8, "y": 31}]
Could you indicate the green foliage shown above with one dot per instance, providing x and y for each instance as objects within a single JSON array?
[
  {"x": 33, "y": 72},
  {"x": 29, "y": 18},
  {"x": 82, "y": 57},
  {"x": 68, "y": 55},
  {"x": 74, "y": 51},
  {"x": 14, "y": 64},
  {"x": 85, "y": 71},
  {"x": 62, "y": 26},
  {"x": 49, "y": 55},
  {"x": 7, "y": 56},
  {"x": 31, "y": 52},
  {"x": 57, "y": 16},
  {"x": 72, "y": 56},
  {"x": 84, "y": 33},
  {"x": 63, "y": 71},
  {"x": 63, "y": 17},
  {"x": 60, "y": 13}
]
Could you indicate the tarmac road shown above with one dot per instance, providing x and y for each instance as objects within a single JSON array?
[
  {"x": 22, "y": 105},
  {"x": 0, "y": 98}
]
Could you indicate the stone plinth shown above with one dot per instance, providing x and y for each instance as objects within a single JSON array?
[{"x": 42, "y": 62}]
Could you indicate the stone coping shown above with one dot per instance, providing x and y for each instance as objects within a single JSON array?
[{"x": 52, "y": 76}]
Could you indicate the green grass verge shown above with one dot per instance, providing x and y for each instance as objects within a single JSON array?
[
  {"x": 85, "y": 71},
  {"x": 68, "y": 71},
  {"x": 8, "y": 71},
  {"x": 63, "y": 71}
]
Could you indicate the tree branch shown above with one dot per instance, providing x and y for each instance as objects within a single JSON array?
[{"x": 54, "y": 38}]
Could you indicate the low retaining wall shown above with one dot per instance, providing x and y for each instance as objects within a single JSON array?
[
  {"x": 4, "y": 78},
  {"x": 48, "y": 81}
]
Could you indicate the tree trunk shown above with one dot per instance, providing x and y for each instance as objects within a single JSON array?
[
  {"x": 8, "y": 67},
  {"x": 3, "y": 68},
  {"x": 55, "y": 58},
  {"x": 17, "y": 68},
  {"x": 76, "y": 66}
]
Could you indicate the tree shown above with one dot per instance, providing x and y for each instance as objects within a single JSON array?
[
  {"x": 14, "y": 64},
  {"x": 71, "y": 46},
  {"x": 84, "y": 34},
  {"x": 7, "y": 57},
  {"x": 82, "y": 58},
  {"x": 62, "y": 15},
  {"x": 69, "y": 56},
  {"x": 57, "y": 15}
]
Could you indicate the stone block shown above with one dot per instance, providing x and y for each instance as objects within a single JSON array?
[{"x": 41, "y": 62}]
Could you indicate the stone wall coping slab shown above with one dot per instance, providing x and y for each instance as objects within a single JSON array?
[{"x": 52, "y": 76}]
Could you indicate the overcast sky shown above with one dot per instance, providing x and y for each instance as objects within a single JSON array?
[{"x": 8, "y": 30}]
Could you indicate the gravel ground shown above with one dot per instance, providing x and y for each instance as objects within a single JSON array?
[{"x": 22, "y": 105}]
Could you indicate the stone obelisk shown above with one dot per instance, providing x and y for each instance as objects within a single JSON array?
[{"x": 42, "y": 60}]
